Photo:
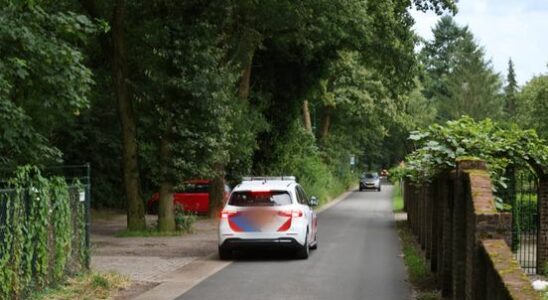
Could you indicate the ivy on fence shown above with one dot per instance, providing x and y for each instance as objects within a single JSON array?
[
  {"x": 439, "y": 146},
  {"x": 39, "y": 219}
]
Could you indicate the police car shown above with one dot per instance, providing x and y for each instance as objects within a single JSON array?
[{"x": 268, "y": 212}]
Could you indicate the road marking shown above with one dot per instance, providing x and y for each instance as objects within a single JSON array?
[{"x": 180, "y": 281}]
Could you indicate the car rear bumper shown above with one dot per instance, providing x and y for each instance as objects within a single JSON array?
[{"x": 237, "y": 243}]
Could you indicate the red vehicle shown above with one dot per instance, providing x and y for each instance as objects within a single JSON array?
[{"x": 193, "y": 196}]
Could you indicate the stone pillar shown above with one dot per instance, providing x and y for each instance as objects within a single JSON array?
[
  {"x": 482, "y": 222},
  {"x": 447, "y": 196},
  {"x": 542, "y": 240},
  {"x": 421, "y": 213},
  {"x": 430, "y": 199},
  {"x": 437, "y": 217},
  {"x": 458, "y": 240}
]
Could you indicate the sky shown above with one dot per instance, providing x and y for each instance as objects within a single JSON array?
[{"x": 505, "y": 28}]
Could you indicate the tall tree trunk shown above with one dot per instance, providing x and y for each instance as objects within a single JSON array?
[
  {"x": 216, "y": 193},
  {"x": 326, "y": 122},
  {"x": 243, "y": 91},
  {"x": 135, "y": 205},
  {"x": 216, "y": 187},
  {"x": 306, "y": 117},
  {"x": 166, "y": 216}
]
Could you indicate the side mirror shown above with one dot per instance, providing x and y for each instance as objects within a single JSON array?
[{"x": 313, "y": 201}]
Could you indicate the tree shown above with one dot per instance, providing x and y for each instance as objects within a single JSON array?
[
  {"x": 533, "y": 105},
  {"x": 458, "y": 77},
  {"x": 439, "y": 56},
  {"x": 43, "y": 79},
  {"x": 510, "y": 90},
  {"x": 114, "y": 51}
]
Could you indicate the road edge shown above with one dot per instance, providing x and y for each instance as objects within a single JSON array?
[
  {"x": 180, "y": 281},
  {"x": 338, "y": 199}
]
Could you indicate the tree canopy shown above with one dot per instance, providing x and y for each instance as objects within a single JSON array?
[{"x": 458, "y": 78}]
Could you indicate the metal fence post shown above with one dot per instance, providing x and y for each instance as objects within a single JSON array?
[{"x": 87, "y": 215}]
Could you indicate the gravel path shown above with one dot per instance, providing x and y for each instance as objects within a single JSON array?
[{"x": 145, "y": 260}]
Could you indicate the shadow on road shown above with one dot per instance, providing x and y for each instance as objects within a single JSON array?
[{"x": 270, "y": 255}]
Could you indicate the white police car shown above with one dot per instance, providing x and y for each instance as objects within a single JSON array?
[{"x": 268, "y": 212}]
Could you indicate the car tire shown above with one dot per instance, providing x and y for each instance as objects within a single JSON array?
[
  {"x": 225, "y": 254},
  {"x": 315, "y": 246},
  {"x": 153, "y": 209},
  {"x": 379, "y": 189},
  {"x": 304, "y": 251}
]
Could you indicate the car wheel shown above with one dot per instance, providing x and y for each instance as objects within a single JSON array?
[
  {"x": 304, "y": 251},
  {"x": 153, "y": 209},
  {"x": 379, "y": 189},
  {"x": 315, "y": 246},
  {"x": 225, "y": 254}
]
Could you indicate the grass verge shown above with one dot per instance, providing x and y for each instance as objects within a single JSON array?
[
  {"x": 420, "y": 277},
  {"x": 150, "y": 232},
  {"x": 397, "y": 198},
  {"x": 422, "y": 280},
  {"x": 88, "y": 286},
  {"x": 104, "y": 214}
]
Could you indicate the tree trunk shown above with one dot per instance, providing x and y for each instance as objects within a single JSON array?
[
  {"x": 326, "y": 122},
  {"x": 245, "y": 80},
  {"x": 166, "y": 215},
  {"x": 216, "y": 187},
  {"x": 135, "y": 205},
  {"x": 306, "y": 117},
  {"x": 216, "y": 194}
]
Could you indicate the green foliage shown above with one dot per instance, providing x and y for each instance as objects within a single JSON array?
[
  {"x": 184, "y": 67},
  {"x": 439, "y": 147},
  {"x": 36, "y": 246},
  {"x": 423, "y": 281},
  {"x": 526, "y": 212},
  {"x": 43, "y": 80},
  {"x": 533, "y": 105},
  {"x": 88, "y": 285},
  {"x": 299, "y": 156},
  {"x": 397, "y": 196},
  {"x": 149, "y": 232},
  {"x": 511, "y": 91},
  {"x": 184, "y": 220},
  {"x": 458, "y": 77},
  {"x": 62, "y": 226}
]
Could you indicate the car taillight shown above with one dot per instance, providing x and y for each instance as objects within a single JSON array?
[
  {"x": 291, "y": 213},
  {"x": 225, "y": 214},
  {"x": 296, "y": 213}
]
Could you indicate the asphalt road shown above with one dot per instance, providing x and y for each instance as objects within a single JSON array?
[{"x": 358, "y": 257}]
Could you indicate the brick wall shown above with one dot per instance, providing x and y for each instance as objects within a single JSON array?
[
  {"x": 457, "y": 224},
  {"x": 503, "y": 279},
  {"x": 542, "y": 246}
]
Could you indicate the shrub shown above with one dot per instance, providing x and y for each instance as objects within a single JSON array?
[
  {"x": 183, "y": 220},
  {"x": 321, "y": 174},
  {"x": 42, "y": 233}
]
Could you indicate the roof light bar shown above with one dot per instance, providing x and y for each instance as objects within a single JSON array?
[{"x": 266, "y": 178}]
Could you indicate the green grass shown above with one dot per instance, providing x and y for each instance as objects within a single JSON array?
[
  {"x": 151, "y": 232},
  {"x": 397, "y": 198},
  {"x": 420, "y": 277},
  {"x": 87, "y": 286},
  {"x": 105, "y": 214}
]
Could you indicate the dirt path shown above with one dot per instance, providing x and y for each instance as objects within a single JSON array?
[{"x": 145, "y": 260}]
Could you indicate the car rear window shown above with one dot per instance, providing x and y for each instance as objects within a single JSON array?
[{"x": 255, "y": 198}]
